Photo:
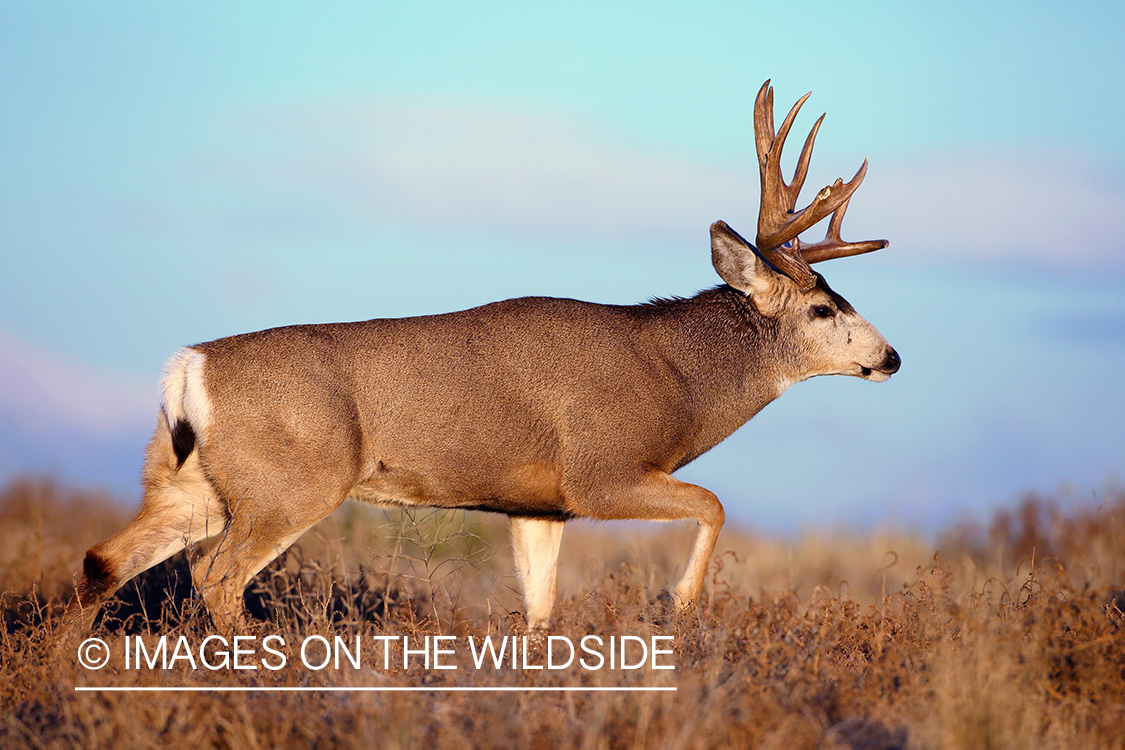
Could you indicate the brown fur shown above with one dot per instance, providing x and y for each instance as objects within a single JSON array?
[{"x": 533, "y": 407}]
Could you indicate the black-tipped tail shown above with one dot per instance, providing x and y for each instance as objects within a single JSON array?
[{"x": 183, "y": 441}]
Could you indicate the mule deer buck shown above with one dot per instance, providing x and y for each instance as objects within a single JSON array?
[{"x": 542, "y": 409}]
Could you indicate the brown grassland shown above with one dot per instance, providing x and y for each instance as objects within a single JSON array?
[{"x": 1006, "y": 635}]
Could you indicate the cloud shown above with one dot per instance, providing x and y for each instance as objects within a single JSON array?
[
  {"x": 42, "y": 392},
  {"x": 1046, "y": 208},
  {"x": 470, "y": 168}
]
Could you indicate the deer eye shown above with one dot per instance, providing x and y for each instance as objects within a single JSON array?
[{"x": 823, "y": 311}]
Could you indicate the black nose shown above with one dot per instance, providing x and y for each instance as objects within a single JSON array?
[{"x": 892, "y": 362}]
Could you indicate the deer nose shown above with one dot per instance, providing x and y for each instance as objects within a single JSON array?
[{"x": 892, "y": 362}]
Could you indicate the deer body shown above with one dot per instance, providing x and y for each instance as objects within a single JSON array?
[
  {"x": 543, "y": 409},
  {"x": 521, "y": 407}
]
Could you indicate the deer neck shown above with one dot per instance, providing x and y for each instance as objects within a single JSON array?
[{"x": 730, "y": 357}]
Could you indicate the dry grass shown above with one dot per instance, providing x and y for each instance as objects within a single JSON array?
[{"x": 1010, "y": 636}]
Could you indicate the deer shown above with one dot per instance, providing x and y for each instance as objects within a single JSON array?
[{"x": 539, "y": 408}]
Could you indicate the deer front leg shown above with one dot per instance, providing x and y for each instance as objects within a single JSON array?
[
  {"x": 658, "y": 496},
  {"x": 690, "y": 586},
  {"x": 535, "y": 547}
]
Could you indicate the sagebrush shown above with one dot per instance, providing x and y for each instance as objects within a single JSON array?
[{"x": 1007, "y": 635}]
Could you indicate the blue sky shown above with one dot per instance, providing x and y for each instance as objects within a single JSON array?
[{"x": 174, "y": 174}]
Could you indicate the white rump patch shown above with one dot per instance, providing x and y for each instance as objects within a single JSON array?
[{"x": 185, "y": 395}]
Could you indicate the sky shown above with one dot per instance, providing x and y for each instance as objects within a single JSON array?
[{"x": 172, "y": 173}]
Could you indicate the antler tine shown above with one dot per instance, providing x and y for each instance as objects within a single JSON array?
[
  {"x": 832, "y": 246},
  {"x": 770, "y": 145},
  {"x": 803, "y": 163},
  {"x": 788, "y": 224},
  {"x": 763, "y": 124},
  {"x": 777, "y": 202},
  {"x": 786, "y": 125}
]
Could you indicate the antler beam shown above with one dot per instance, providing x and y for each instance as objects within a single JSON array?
[{"x": 779, "y": 223}]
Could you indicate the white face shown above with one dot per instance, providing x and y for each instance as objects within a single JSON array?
[
  {"x": 835, "y": 339},
  {"x": 830, "y": 337}
]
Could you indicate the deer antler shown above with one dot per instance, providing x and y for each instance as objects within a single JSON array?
[{"x": 779, "y": 223}]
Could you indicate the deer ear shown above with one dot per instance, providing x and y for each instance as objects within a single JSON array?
[{"x": 738, "y": 265}]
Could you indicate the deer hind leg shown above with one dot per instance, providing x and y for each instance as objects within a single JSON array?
[
  {"x": 259, "y": 531},
  {"x": 179, "y": 509},
  {"x": 659, "y": 496},
  {"x": 535, "y": 546}
]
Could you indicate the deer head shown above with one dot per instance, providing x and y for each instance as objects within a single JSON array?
[{"x": 833, "y": 339}]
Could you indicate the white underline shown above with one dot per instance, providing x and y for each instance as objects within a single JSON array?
[{"x": 409, "y": 689}]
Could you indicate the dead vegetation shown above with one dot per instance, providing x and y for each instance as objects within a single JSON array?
[{"x": 1009, "y": 635}]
